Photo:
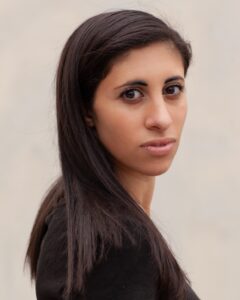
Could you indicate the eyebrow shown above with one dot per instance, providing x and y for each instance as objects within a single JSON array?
[{"x": 144, "y": 83}]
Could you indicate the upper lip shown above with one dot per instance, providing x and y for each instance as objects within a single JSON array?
[{"x": 159, "y": 142}]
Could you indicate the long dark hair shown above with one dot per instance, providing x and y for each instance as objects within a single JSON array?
[{"x": 98, "y": 208}]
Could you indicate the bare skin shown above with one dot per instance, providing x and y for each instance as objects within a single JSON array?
[{"x": 152, "y": 107}]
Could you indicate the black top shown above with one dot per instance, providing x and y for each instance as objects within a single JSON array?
[{"x": 125, "y": 274}]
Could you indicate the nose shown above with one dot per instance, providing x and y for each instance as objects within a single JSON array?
[{"x": 158, "y": 114}]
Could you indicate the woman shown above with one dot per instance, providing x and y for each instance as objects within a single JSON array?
[{"x": 121, "y": 106}]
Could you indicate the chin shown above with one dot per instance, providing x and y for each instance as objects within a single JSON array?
[
  {"x": 156, "y": 171},
  {"x": 159, "y": 172}
]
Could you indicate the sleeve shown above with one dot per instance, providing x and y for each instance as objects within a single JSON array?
[{"x": 125, "y": 274}]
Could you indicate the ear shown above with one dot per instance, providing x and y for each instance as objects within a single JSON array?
[{"x": 89, "y": 120}]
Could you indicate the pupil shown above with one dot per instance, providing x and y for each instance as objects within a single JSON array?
[
  {"x": 171, "y": 89},
  {"x": 130, "y": 94}
]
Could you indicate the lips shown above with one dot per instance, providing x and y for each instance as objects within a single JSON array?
[{"x": 159, "y": 142}]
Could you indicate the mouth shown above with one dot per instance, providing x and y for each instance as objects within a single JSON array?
[
  {"x": 159, "y": 147},
  {"x": 159, "y": 142}
]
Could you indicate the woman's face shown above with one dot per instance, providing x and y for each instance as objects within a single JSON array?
[{"x": 142, "y": 99}]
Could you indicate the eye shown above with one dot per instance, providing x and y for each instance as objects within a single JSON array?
[
  {"x": 131, "y": 94},
  {"x": 173, "y": 90}
]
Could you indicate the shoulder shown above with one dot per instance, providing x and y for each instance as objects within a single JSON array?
[
  {"x": 51, "y": 268},
  {"x": 124, "y": 273},
  {"x": 191, "y": 294},
  {"x": 56, "y": 227}
]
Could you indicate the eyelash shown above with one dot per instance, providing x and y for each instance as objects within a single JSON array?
[{"x": 179, "y": 86}]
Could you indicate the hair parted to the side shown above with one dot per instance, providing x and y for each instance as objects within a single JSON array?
[{"x": 98, "y": 207}]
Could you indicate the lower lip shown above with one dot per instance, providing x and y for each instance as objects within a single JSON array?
[{"x": 159, "y": 150}]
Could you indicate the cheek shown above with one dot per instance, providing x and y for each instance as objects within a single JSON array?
[
  {"x": 184, "y": 113},
  {"x": 115, "y": 130},
  {"x": 180, "y": 115}
]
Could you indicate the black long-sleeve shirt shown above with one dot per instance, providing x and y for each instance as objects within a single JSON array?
[{"x": 126, "y": 274}]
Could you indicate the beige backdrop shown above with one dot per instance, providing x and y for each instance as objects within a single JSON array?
[{"x": 196, "y": 203}]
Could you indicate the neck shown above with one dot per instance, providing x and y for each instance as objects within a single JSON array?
[{"x": 139, "y": 186}]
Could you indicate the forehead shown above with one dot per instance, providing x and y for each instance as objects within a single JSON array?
[{"x": 159, "y": 58}]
